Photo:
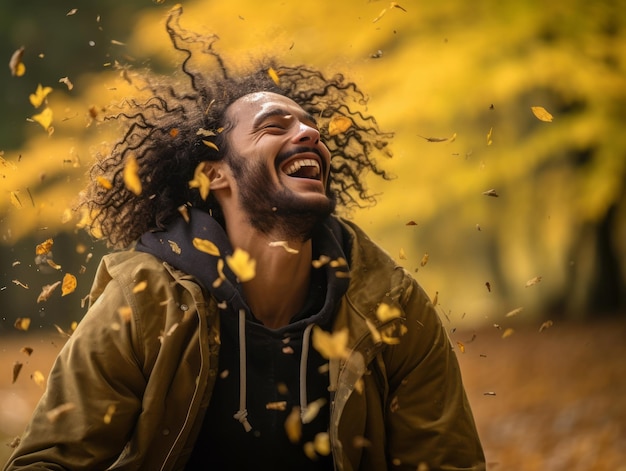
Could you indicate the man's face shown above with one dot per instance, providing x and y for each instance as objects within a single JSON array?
[{"x": 280, "y": 165}]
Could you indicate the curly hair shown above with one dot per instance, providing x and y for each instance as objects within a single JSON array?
[{"x": 182, "y": 123}]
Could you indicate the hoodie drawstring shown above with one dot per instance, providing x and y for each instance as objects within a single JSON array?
[
  {"x": 304, "y": 357},
  {"x": 242, "y": 414}
]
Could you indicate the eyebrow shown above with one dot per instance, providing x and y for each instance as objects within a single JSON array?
[{"x": 281, "y": 112}]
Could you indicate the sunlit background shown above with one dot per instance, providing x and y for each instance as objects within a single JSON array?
[{"x": 513, "y": 221}]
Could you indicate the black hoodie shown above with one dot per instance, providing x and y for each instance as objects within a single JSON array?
[{"x": 265, "y": 374}]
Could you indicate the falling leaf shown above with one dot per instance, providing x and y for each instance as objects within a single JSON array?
[
  {"x": 533, "y": 281},
  {"x": 331, "y": 344},
  {"x": 22, "y": 323},
  {"x": 514, "y": 312},
  {"x": 391, "y": 335},
  {"x": 131, "y": 176},
  {"x": 16, "y": 65},
  {"x": 542, "y": 114},
  {"x": 489, "y": 393},
  {"x": 402, "y": 254},
  {"x": 37, "y": 98},
  {"x": 184, "y": 212},
  {"x": 491, "y": 192},
  {"x": 242, "y": 265},
  {"x": 411, "y": 223},
  {"x": 47, "y": 291},
  {"x": 53, "y": 264},
  {"x": 125, "y": 313},
  {"x": 17, "y": 367},
  {"x": 385, "y": 312},
  {"x": 309, "y": 450},
  {"x": 44, "y": 118},
  {"x": 210, "y": 144},
  {"x": 104, "y": 182},
  {"x": 20, "y": 284},
  {"x": 391, "y": 5},
  {"x": 507, "y": 333},
  {"x": 54, "y": 414},
  {"x": 69, "y": 284},
  {"x": 461, "y": 346},
  {"x": 322, "y": 443},
  {"x": 320, "y": 262},
  {"x": 488, "y": 285},
  {"x": 44, "y": 247},
  {"x": 108, "y": 415},
  {"x": 285, "y": 245},
  {"x": 139, "y": 287},
  {"x": 27, "y": 351},
  {"x": 439, "y": 139},
  {"x": 38, "y": 378},
  {"x": 490, "y": 137},
  {"x": 220, "y": 274},
  {"x": 63, "y": 332},
  {"x": 73, "y": 11},
  {"x": 15, "y": 201},
  {"x": 201, "y": 181},
  {"x": 273, "y": 75},
  {"x": 293, "y": 425},
  {"x": 206, "y": 246},
  {"x": 435, "y": 300},
  {"x": 312, "y": 410},
  {"x": 279, "y": 405},
  {"x": 175, "y": 247},
  {"x": 339, "y": 125},
  {"x": 546, "y": 325},
  {"x": 424, "y": 260},
  {"x": 68, "y": 83}
]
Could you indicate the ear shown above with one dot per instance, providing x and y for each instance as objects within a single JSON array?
[{"x": 218, "y": 174}]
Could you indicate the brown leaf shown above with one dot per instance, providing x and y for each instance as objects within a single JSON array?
[
  {"x": 491, "y": 192},
  {"x": 17, "y": 367},
  {"x": 44, "y": 247},
  {"x": 26, "y": 350}
]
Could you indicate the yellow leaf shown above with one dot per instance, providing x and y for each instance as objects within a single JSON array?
[
  {"x": 104, "y": 182},
  {"x": 386, "y": 312},
  {"x": 131, "y": 175},
  {"x": 44, "y": 118},
  {"x": 210, "y": 144},
  {"x": 22, "y": 323},
  {"x": 490, "y": 137},
  {"x": 206, "y": 246},
  {"x": 339, "y": 125},
  {"x": 322, "y": 443},
  {"x": 402, "y": 254},
  {"x": 37, "y": 98},
  {"x": 242, "y": 265},
  {"x": 108, "y": 415},
  {"x": 201, "y": 181},
  {"x": 44, "y": 247},
  {"x": 461, "y": 346},
  {"x": 533, "y": 281},
  {"x": 312, "y": 410},
  {"x": 507, "y": 333},
  {"x": 273, "y": 75},
  {"x": 293, "y": 425},
  {"x": 542, "y": 114},
  {"x": 69, "y": 284},
  {"x": 424, "y": 260},
  {"x": 514, "y": 312},
  {"x": 139, "y": 287},
  {"x": 331, "y": 344},
  {"x": 38, "y": 378}
]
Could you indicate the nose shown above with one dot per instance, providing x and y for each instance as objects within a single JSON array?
[{"x": 307, "y": 134}]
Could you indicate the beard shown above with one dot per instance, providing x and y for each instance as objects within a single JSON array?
[{"x": 275, "y": 209}]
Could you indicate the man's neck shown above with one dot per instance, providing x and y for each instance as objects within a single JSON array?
[{"x": 283, "y": 269}]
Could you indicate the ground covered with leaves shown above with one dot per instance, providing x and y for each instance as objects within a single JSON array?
[{"x": 552, "y": 400}]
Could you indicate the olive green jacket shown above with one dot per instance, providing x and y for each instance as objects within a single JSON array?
[{"x": 130, "y": 388}]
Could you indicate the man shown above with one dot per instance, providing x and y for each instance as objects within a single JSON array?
[{"x": 249, "y": 327}]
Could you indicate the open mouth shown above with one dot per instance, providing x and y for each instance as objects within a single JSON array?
[{"x": 303, "y": 168}]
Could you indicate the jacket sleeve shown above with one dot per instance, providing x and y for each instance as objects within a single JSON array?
[
  {"x": 93, "y": 395},
  {"x": 429, "y": 420}
]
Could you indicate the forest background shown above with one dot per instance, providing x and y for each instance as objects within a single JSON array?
[{"x": 513, "y": 221}]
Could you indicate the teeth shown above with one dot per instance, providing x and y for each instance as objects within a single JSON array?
[{"x": 298, "y": 164}]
